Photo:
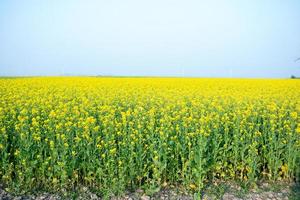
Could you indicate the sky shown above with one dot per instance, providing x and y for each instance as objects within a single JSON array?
[{"x": 197, "y": 38}]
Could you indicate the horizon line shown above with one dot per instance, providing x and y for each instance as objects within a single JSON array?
[{"x": 144, "y": 76}]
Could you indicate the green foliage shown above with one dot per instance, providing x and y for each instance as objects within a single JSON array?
[{"x": 113, "y": 135}]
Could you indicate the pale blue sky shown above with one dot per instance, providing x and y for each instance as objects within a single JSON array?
[{"x": 240, "y": 38}]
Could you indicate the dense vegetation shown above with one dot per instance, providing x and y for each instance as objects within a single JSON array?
[{"x": 117, "y": 134}]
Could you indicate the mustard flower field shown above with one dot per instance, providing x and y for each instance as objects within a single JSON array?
[{"x": 118, "y": 134}]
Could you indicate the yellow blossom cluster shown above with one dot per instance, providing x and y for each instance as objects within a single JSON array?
[{"x": 114, "y": 134}]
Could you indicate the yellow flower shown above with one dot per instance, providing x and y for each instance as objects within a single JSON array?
[
  {"x": 113, "y": 151},
  {"x": 298, "y": 129},
  {"x": 258, "y": 133},
  {"x": 52, "y": 114},
  {"x": 193, "y": 186},
  {"x": 294, "y": 115},
  {"x": 77, "y": 139},
  {"x": 51, "y": 144},
  {"x": 120, "y": 162},
  {"x": 284, "y": 168},
  {"x": 17, "y": 152},
  {"x": 96, "y": 128},
  {"x": 54, "y": 181},
  {"x": 36, "y": 137}
]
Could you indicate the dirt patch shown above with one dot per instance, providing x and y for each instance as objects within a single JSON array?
[{"x": 222, "y": 191}]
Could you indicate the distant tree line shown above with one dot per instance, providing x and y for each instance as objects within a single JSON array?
[{"x": 293, "y": 77}]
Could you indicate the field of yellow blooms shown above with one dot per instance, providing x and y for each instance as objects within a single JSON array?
[{"x": 117, "y": 134}]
